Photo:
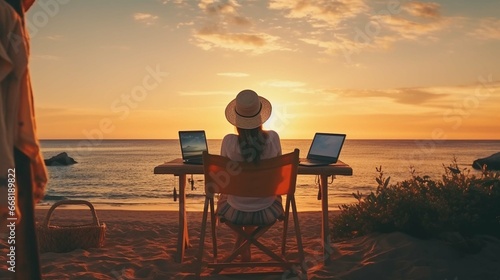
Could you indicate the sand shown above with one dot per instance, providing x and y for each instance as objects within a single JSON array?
[{"x": 142, "y": 245}]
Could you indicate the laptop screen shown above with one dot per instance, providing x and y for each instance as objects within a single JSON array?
[
  {"x": 193, "y": 143},
  {"x": 326, "y": 146}
]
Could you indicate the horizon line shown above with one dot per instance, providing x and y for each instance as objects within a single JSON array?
[{"x": 371, "y": 139}]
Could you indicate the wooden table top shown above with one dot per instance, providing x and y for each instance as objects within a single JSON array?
[{"x": 177, "y": 167}]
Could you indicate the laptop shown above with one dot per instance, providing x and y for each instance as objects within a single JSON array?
[
  {"x": 193, "y": 143},
  {"x": 325, "y": 149}
]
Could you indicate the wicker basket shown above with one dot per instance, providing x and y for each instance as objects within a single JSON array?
[{"x": 68, "y": 238}]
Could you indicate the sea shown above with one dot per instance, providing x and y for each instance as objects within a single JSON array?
[{"x": 118, "y": 174}]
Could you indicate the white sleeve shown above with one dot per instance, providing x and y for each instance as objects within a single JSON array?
[{"x": 274, "y": 139}]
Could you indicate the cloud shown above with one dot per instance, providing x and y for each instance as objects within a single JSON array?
[
  {"x": 408, "y": 96},
  {"x": 225, "y": 11},
  {"x": 218, "y": 7},
  {"x": 46, "y": 57},
  {"x": 449, "y": 106},
  {"x": 323, "y": 18},
  {"x": 55, "y": 37},
  {"x": 225, "y": 28},
  {"x": 51, "y": 111},
  {"x": 182, "y": 24},
  {"x": 415, "y": 96},
  {"x": 116, "y": 47},
  {"x": 326, "y": 11},
  {"x": 364, "y": 30},
  {"x": 251, "y": 39},
  {"x": 424, "y": 10},
  {"x": 233, "y": 74},
  {"x": 483, "y": 93},
  {"x": 412, "y": 30},
  {"x": 488, "y": 29},
  {"x": 424, "y": 21},
  {"x": 204, "y": 93},
  {"x": 283, "y": 84},
  {"x": 251, "y": 42},
  {"x": 145, "y": 18},
  {"x": 164, "y": 2},
  {"x": 347, "y": 45}
]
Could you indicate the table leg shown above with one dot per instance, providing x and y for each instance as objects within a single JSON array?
[
  {"x": 325, "y": 230},
  {"x": 182, "y": 235}
]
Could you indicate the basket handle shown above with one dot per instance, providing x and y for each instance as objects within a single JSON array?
[{"x": 95, "y": 221}]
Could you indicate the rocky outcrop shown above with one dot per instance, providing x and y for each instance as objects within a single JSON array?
[
  {"x": 60, "y": 159},
  {"x": 492, "y": 162}
]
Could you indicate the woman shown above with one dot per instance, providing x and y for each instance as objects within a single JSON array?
[{"x": 247, "y": 112}]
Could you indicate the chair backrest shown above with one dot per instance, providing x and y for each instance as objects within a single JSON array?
[{"x": 268, "y": 177}]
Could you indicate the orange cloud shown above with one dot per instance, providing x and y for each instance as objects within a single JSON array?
[
  {"x": 45, "y": 57},
  {"x": 329, "y": 11},
  {"x": 414, "y": 21},
  {"x": 283, "y": 84},
  {"x": 214, "y": 36},
  {"x": 412, "y": 30},
  {"x": 424, "y": 10},
  {"x": 233, "y": 74},
  {"x": 488, "y": 29},
  {"x": 251, "y": 42},
  {"x": 215, "y": 7},
  {"x": 411, "y": 96},
  {"x": 145, "y": 18},
  {"x": 217, "y": 32}
]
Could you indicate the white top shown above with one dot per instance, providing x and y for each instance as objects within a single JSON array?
[{"x": 230, "y": 148}]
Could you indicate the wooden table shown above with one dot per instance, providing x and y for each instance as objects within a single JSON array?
[{"x": 178, "y": 168}]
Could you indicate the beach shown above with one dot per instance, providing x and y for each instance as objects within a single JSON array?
[{"x": 142, "y": 245}]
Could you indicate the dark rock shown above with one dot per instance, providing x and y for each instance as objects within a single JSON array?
[
  {"x": 60, "y": 159},
  {"x": 492, "y": 162}
]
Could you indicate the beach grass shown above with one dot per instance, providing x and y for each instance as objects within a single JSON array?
[{"x": 456, "y": 208}]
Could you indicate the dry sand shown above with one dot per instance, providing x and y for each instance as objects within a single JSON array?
[{"x": 142, "y": 245}]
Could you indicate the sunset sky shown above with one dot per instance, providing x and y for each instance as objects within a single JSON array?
[{"x": 119, "y": 69}]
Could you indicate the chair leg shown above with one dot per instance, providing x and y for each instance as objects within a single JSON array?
[
  {"x": 242, "y": 246},
  {"x": 285, "y": 225},
  {"x": 245, "y": 244},
  {"x": 298, "y": 235},
  {"x": 252, "y": 239},
  {"x": 268, "y": 252},
  {"x": 213, "y": 220},
  {"x": 202, "y": 237}
]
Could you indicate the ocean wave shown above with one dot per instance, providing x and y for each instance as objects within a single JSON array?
[{"x": 53, "y": 198}]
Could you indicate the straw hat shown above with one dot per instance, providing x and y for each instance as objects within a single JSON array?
[{"x": 248, "y": 110}]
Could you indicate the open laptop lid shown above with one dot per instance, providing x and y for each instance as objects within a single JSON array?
[
  {"x": 326, "y": 147},
  {"x": 193, "y": 143}
]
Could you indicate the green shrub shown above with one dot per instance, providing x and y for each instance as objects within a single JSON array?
[{"x": 457, "y": 203}]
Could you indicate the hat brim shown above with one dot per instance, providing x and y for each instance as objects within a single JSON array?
[{"x": 245, "y": 122}]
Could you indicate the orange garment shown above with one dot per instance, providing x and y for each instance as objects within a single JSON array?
[{"x": 17, "y": 114}]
